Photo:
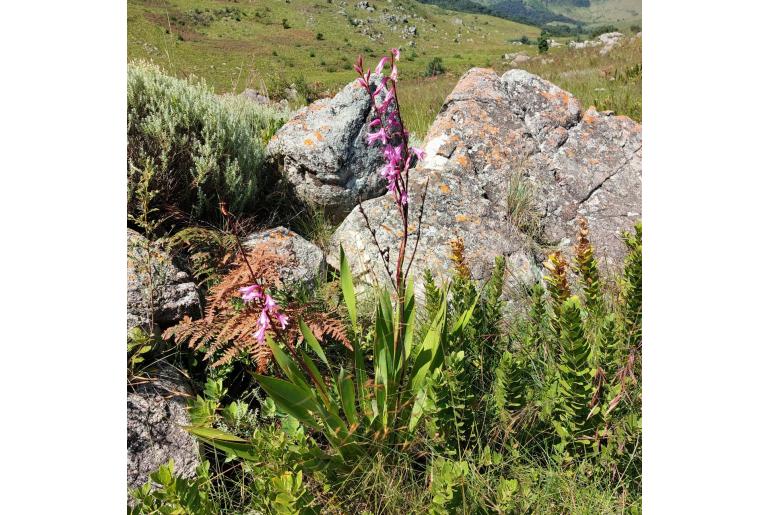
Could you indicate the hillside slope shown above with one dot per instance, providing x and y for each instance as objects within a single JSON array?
[
  {"x": 540, "y": 12},
  {"x": 262, "y": 43}
]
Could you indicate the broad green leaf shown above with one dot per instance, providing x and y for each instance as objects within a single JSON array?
[
  {"x": 319, "y": 382},
  {"x": 346, "y": 283},
  {"x": 312, "y": 341},
  {"x": 225, "y": 442},
  {"x": 348, "y": 397},
  {"x": 288, "y": 366},
  {"x": 295, "y": 401},
  {"x": 409, "y": 319}
]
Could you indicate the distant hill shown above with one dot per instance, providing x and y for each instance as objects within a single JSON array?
[{"x": 542, "y": 12}]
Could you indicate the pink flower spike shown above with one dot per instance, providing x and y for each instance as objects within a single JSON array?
[
  {"x": 376, "y": 136},
  {"x": 382, "y": 62},
  {"x": 260, "y": 334},
  {"x": 249, "y": 293},
  {"x": 418, "y": 152},
  {"x": 396, "y": 53}
]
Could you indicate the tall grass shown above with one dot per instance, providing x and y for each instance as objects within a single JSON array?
[{"x": 610, "y": 82}]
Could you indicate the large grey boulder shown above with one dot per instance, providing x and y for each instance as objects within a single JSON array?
[
  {"x": 157, "y": 410},
  {"x": 304, "y": 260},
  {"x": 156, "y": 285},
  {"x": 322, "y": 152},
  {"x": 493, "y": 137}
]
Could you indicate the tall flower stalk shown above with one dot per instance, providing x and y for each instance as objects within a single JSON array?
[{"x": 388, "y": 131}]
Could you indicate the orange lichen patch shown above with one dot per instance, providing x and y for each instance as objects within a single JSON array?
[
  {"x": 309, "y": 142},
  {"x": 444, "y": 188},
  {"x": 588, "y": 118},
  {"x": 463, "y": 160},
  {"x": 461, "y": 218},
  {"x": 389, "y": 230},
  {"x": 319, "y": 136},
  {"x": 593, "y": 161}
]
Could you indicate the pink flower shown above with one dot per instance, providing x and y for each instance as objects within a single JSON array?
[
  {"x": 260, "y": 334},
  {"x": 376, "y": 136},
  {"x": 396, "y": 53},
  {"x": 404, "y": 198},
  {"x": 418, "y": 152},
  {"x": 362, "y": 82},
  {"x": 250, "y": 293},
  {"x": 374, "y": 123},
  {"x": 283, "y": 320},
  {"x": 270, "y": 304},
  {"x": 394, "y": 74},
  {"x": 378, "y": 70}
]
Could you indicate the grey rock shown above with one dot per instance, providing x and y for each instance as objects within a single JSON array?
[
  {"x": 305, "y": 260},
  {"x": 157, "y": 410},
  {"x": 323, "y": 153},
  {"x": 255, "y": 96},
  {"x": 173, "y": 293},
  {"x": 492, "y": 131}
]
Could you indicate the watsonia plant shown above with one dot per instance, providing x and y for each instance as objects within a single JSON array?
[{"x": 358, "y": 413}]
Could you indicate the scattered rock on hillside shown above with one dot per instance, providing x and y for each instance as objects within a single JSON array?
[
  {"x": 323, "y": 152},
  {"x": 173, "y": 293},
  {"x": 609, "y": 41},
  {"x": 254, "y": 96},
  {"x": 157, "y": 411},
  {"x": 493, "y": 132},
  {"x": 305, "y": 260}
]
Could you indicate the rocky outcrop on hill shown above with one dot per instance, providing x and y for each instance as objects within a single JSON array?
[
  {"x": 156, "y": 285},
  {"x": 322, "y": 152},
  {"x": 157, "y": 410},
  {"x": 502, "y": 147},
  {"x": 607, "y": 41},
  {"x": 304, "y": 260}
]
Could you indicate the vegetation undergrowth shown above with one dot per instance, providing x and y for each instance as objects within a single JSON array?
[
  {"x": 456, "y": 405},
  {"x": 196, "y": 149}
]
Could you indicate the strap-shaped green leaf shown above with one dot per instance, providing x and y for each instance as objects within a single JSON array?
[
  {"x": 312, "y": 342},
  {"x": 293, "y": 400},
  {"x": 225, "y": 442},
  {"x": 409, "y": 319},
  {"x": 288, "y": 366},
  {"x": 346, "y": 283},
  {"x": 348, "y": 396}
]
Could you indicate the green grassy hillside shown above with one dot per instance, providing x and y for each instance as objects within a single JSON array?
[
  {"x": 621, "y": 13},
  {"x": 242, "y": 44},
  {"x": 238, "y": 45}
]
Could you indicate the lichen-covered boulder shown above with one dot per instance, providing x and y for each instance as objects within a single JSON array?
[
  {"x": 322, "y": 152},
  {"x": 156, "y": 285},
  {"x": 496, "y": 136},
  {"x": 304, "y": 260},
  {"x": 157, "y": 411}
]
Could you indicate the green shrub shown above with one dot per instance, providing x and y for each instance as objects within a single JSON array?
[
  {"x": 435, "y": 67},
  {"x": 202, "y": 148},
  {"x": 542, "y": 44}
]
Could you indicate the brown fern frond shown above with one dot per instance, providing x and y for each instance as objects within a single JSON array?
[{"x": 227, "y": 328}]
